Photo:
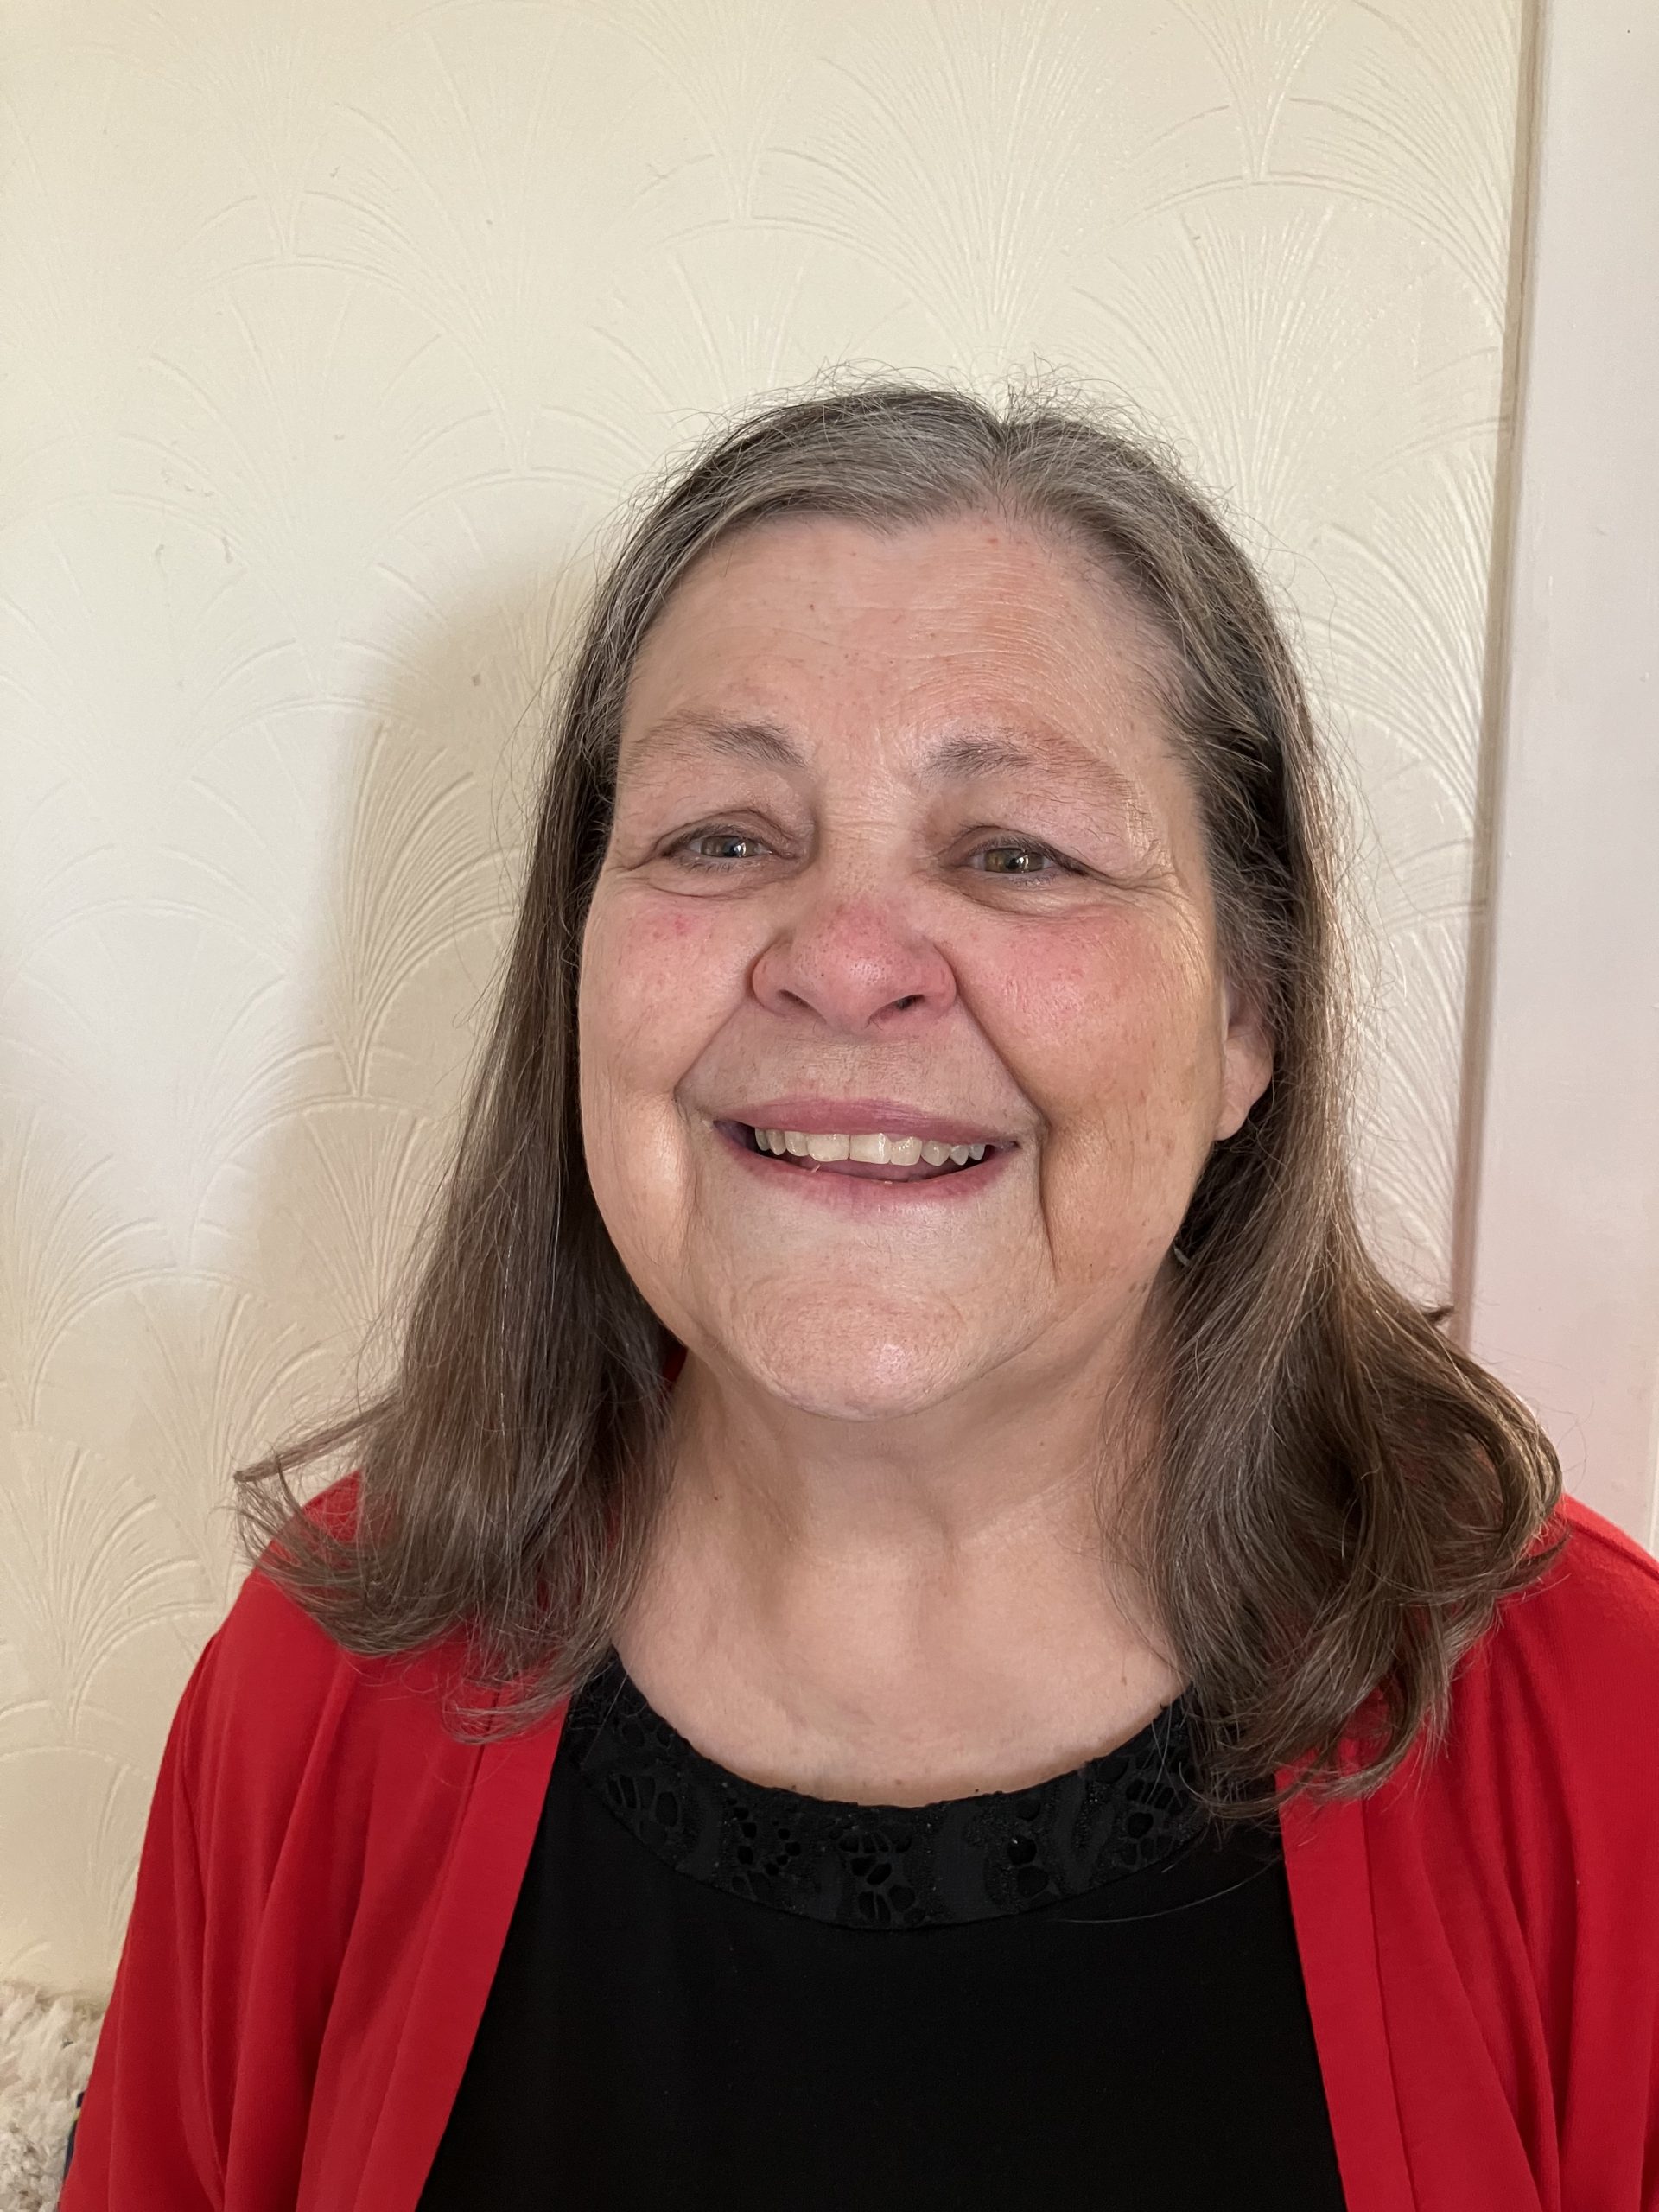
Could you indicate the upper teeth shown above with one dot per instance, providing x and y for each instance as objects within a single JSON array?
[{"x": 885, "y": 1151}]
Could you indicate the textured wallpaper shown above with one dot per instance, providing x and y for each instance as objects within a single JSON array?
[{"x": 334, "y": 329}]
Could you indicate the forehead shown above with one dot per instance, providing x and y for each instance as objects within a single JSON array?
[{"x": 974, "y": 619}]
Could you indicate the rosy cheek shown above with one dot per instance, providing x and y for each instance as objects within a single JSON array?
[
  {"x": 659, "y": 980},
  {"x": 655, "y": 956},
  {"x": 1071, "y": 999},
  {"x": 643, "y": 941},
  {"x": 1102, "y": 1032}
]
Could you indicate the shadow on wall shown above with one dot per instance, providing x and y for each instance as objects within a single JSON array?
[{"x": 406, "y": 929}]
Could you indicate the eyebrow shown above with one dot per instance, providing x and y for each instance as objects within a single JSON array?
[{"x": 990, "y": 749}]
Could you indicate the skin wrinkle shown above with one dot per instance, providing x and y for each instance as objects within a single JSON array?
[
  {"x": 981, "y": 749},
  {"x": 877, "y": 1573}
]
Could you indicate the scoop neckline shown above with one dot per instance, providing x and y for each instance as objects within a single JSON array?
[{"x": 980, "y": 1857}]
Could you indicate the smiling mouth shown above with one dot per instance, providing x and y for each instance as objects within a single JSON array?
[{"x": 795, "y": 1158}]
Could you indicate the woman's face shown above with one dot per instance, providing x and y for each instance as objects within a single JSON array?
[{"x": 901, "y": 848}]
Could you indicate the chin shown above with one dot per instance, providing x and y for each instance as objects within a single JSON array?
[{"x": 851, "y": 1376}]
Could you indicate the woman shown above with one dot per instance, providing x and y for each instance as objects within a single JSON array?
[{"x": 920, "y": 1624}]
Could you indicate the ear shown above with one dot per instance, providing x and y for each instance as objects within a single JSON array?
[{"x": 1246, "y": 1058}]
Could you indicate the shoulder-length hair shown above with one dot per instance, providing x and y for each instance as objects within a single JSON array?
[{"x": 1338, "y": 1497}]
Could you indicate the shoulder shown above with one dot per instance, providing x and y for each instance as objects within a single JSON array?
[
  {"x": 1584, "y": 1637},
  {"x": 1611, "y": 1579},
  {"x": 268, "y": 1649},
  {"x": 276, "y": 1705},
  {"x": 1554, "y": 1723}
]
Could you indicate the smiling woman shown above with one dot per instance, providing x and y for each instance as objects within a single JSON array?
[
  {"x": 920, "y": 1616},
  {"x": 817, "y": 702}
]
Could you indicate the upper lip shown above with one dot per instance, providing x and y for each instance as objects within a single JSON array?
[{"x": 856, "y": 1116}]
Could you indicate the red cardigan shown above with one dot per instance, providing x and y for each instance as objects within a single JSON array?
[{"x": 327, "y": 1879}]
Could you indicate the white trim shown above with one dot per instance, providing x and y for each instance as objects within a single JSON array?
[{"x": 1563, "y": 1272}]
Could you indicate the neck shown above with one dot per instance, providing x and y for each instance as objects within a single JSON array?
[{"x": 892, "y": 1611}]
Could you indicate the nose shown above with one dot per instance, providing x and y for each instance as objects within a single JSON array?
[{"x": 858, "y": 967}]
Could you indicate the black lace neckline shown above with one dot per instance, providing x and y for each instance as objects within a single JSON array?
[{"x": 964, "y": 1859}]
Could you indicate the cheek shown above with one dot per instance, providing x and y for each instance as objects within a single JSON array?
[
  {"x": 649, "y": 981},
  {"x": 1113, "y": 1038},
  {"x": 654, "y": 990}
]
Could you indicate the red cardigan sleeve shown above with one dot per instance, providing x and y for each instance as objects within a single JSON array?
[
  {"x": 1479, "y": 1936},
  {"x": 211, "y": 1994},
  {"x": 324, "y": 1886},
  {"x": 152, "y": 2049}
]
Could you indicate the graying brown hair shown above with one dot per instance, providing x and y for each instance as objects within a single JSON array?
[{"x": 1337, "y": 1498}]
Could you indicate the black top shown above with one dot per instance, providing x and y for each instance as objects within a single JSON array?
[{"x": 717, "y": 1995}]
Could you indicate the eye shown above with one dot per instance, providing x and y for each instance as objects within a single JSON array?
[
  {"x": 1024, "y": 859},
  {"x": 687, "y": 849}
]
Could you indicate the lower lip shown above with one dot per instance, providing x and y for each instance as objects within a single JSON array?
[{"x": 861, "y": 1191}]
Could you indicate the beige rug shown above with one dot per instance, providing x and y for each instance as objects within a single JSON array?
[{"x": 46, "y": 2054}]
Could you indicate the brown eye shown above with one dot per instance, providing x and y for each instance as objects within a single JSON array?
[{"x": 1023, "y": 860}]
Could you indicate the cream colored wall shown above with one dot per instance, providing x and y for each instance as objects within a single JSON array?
[{"x": 334, "y": 329}]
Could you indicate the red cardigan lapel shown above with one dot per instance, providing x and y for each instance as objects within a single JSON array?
[
  {"x": 475, "y": 1896},
  {"x": 1326, "y": 1863}
]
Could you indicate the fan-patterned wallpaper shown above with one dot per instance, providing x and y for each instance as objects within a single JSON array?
[{"x": 335, "y": 330}]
